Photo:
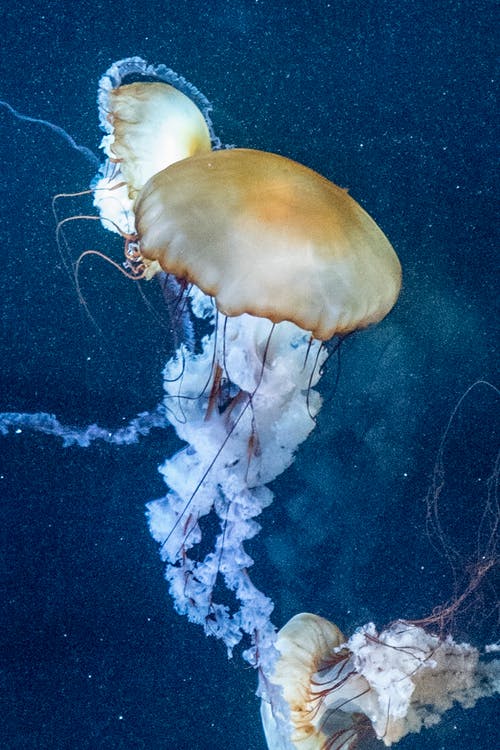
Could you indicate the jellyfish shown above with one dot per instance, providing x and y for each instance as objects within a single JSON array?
[
  {"x": 273, "y": 259},
  {"x": 338, "y": 691},
  {"x": 274, "y": 265}
]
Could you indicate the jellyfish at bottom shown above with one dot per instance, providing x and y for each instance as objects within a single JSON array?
[
  {"x": 338, "y": 692},
  {"x": 270, "y": 262}
]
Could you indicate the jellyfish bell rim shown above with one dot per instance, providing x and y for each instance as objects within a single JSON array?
[{"x": 284, "y": 243}]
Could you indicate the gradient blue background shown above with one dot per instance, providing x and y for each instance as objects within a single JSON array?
[{"x": 393, "y": 100}]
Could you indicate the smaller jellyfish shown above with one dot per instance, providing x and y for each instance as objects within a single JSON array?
[
  {"x": 386, "y": 684},
  {"x": 152, "y": 117}
]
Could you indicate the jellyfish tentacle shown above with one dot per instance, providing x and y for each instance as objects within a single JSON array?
[
  {"x": 220, "y": 474},
  {"x": 86, "y": 152}
]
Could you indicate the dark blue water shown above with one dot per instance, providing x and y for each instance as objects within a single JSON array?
[{"x": 394, "y": 101}]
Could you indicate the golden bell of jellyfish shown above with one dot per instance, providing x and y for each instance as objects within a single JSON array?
[
  {"x": 267, "y": 236},
  {"x": 153, "y": 126}
]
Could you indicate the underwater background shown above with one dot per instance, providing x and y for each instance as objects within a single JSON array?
[{"x": 392, "y": 100}]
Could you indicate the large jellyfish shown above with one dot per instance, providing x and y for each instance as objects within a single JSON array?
[
  {"x": 274, "y": 259},
  {"x": 269, "y": 263}
]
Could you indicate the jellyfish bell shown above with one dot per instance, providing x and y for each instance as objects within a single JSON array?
[
  {"x": 304, "y": 644},
  {"x": 267, "y": 236},
  {"x": 151, "y": 117},
  {"x": 389, "y": 684},
  {"x": 153, "y": 125}
]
